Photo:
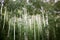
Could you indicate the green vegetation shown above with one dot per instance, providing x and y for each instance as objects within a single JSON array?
[{"x": 29, "y": 20}]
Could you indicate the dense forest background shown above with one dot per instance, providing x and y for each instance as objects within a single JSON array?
[{"x": 29, "y": 20}]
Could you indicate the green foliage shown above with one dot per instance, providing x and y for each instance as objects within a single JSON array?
[
  {"x": 23, "y": 28},
  {"x": 57, "y": 6}
]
